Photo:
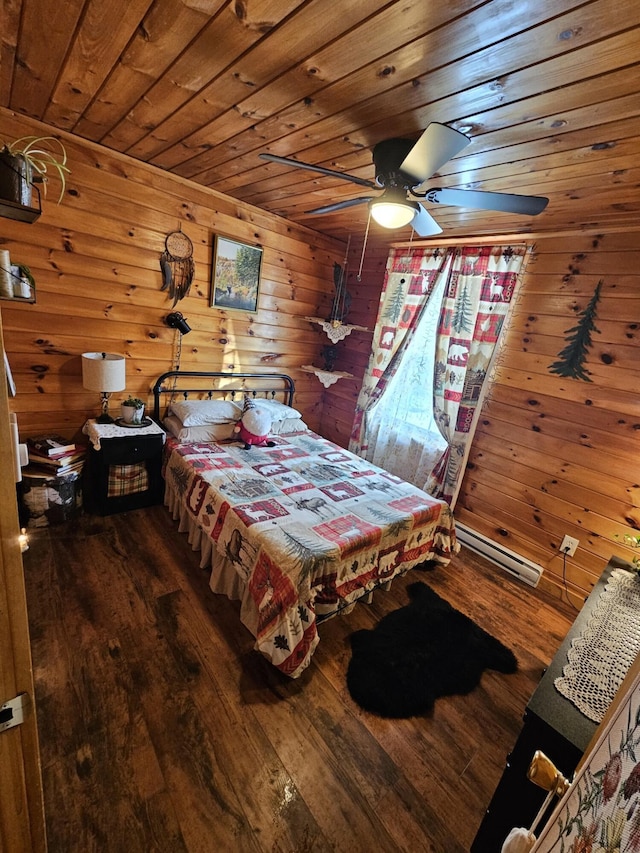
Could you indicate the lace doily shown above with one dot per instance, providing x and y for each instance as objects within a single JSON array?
[
  {"x": 96, "y": 431},
  {"x": 336, "y": 330},
  {"x": 326, "y": 377},
  {"x": 599, "y": 658},
  {"x": 336, "y": 333}
]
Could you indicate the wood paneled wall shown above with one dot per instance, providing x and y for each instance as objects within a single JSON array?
[
  {"x": 365, "y": 275},
  {"x": 95, "y": 258},
  {"x": 551, "y": 456}
]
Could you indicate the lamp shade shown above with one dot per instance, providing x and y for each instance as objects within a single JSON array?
[
  {"x": 103, "y": 371},
  {"x": 393, "y": 210}
]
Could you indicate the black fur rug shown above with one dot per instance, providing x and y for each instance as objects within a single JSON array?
[{"x": 419, "y": 652}]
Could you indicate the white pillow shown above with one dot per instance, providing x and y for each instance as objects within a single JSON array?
[
  {"x": 288, "y": 425},
  {"x": 279, "y": 411},
  {"x": 201, "y": 412},
  {"x": 196, "y": 434},
  {"x": 222, "y": 432}
]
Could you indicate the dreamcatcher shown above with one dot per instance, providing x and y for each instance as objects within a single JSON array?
[{"x": 176, "y": 263}]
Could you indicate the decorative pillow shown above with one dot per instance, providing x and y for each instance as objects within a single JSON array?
[
  {"x": 202, "y": 412},
  {"x": 195, "y": 434}
]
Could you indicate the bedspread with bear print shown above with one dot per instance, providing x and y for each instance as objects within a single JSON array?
[{"x": 309, "y": 527}]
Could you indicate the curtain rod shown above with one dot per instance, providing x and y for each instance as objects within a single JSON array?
[{"x": 519, "y": 237}]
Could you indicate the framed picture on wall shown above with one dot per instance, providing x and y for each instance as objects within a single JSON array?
[{"x": 236, "y": 275}]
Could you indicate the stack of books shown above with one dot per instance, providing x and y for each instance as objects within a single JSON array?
[{"x": 54, "y": 455}]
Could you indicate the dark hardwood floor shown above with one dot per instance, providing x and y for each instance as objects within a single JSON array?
[{"x": 162, "y": 730}]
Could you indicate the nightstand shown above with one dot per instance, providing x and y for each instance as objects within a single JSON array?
[{"x": 123, "y": 469}]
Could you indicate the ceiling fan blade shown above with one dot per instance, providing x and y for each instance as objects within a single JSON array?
[
  {"x": 287, "y": 161},
  {"x": 424, "y": 224},
  {"x": 437, "y": 144},
  {"x": 529, "y": 205},
  {"x": 339, "y": 205}
]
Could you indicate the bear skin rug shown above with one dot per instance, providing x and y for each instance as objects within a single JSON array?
[{"x": 418, "y": 653}]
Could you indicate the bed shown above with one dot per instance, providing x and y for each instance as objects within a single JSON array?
[{"x": 298, "y": 531}]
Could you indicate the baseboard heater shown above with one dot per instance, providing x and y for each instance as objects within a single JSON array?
[{"x": 508, "y": 560}]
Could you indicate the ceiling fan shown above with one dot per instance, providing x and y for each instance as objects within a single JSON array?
[{"x": 402, "y": 166}]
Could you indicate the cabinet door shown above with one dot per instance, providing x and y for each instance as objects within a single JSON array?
[{"x": 516, "y": 800}]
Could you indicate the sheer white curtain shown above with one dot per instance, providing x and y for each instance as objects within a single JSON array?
[{"x": 403, "y": 437}]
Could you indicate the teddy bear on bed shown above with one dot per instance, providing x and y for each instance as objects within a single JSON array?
[{"x": 254, "y": 426}]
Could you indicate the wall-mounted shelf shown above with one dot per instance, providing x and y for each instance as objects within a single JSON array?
[
  {"x": 327, "y": 377},
  {"x": 13, "y": 210},
  {"x": 28, "y": 299},
  {"x": 16, "y": 282}
]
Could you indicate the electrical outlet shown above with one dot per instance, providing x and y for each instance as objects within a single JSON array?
[{"x": 569, "y": 545}]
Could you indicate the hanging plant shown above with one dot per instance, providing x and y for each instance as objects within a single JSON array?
[
  {"x": 29, "y": 160},
  {"x": 571, "y": 359}
]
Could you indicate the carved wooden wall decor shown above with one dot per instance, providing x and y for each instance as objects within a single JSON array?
[{"x": 571, "y": 359}]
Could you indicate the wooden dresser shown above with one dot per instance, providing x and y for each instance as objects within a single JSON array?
[{"x": 553, "y": 725}]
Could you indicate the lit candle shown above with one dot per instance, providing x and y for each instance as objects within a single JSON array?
[
  {"x": 6, "y": 283},
  {"x": 23, "y": 539}
]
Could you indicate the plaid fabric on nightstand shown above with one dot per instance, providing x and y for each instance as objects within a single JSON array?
[{"x": 127, "y": 480}]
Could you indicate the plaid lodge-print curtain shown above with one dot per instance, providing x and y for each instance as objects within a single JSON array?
[{"x": 478, "y": 285}]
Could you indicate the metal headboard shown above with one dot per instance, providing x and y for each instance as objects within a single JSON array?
[{"x": 222, "y": 385}]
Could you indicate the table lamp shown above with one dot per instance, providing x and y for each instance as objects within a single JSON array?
[{"x": 103, "y": 372}]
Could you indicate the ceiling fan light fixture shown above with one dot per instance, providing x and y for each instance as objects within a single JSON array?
[
  {"x": 392, "y": 210},
  {"x": 402, "y": 167}
]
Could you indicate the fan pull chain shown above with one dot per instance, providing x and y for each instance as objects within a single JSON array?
[
  {"x": 364, "y": 246},
  {"x": 177, "y": 367}
]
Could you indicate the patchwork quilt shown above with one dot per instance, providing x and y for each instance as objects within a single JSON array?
[{"x": 309, "y": 528}]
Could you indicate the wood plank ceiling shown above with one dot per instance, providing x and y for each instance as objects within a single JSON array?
[{"x": 546, "y": 89}]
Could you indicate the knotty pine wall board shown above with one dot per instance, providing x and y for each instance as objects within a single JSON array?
[
  {"x": 555, "y": 477},
  {"x": 547, "y": 513}
]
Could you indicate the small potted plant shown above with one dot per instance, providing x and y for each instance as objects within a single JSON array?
[
  {"x": 132, "y": 410},
  {"x": 28, "y": 160},
  {"x": 631, "y": 541},
  {"x": 24, "y": 284}
]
